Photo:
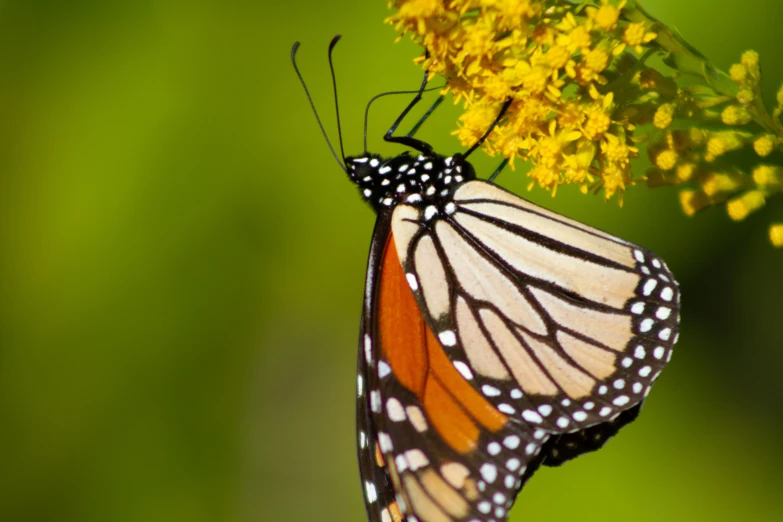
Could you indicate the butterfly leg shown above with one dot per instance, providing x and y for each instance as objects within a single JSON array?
[
  {"x": 409, "y": 141},
  {"x": 427, "y": 114},
  {"x": 499, "y": 117},
  {"x": 498, "y": 170}
]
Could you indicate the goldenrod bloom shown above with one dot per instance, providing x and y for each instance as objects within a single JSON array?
[
  {"x": 584, "y": 97},
  {"x": 776, "y": 234}
]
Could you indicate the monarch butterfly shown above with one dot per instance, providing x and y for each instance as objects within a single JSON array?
[{"x": 495, "y": 336}]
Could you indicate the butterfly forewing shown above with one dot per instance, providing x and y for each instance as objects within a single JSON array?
[{"x": 558, "y": 325}]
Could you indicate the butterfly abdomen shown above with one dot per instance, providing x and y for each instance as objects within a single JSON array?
[{"x": 422, "y": 181}]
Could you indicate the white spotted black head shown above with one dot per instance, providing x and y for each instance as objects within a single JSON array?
[{"x": 421, "y": 181}]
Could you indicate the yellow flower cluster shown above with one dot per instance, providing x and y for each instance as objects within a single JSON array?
[
  {"x": 583, "y": 97},
  {"x": 716, "y": 133},
  {"x": 562, "y": 64}
]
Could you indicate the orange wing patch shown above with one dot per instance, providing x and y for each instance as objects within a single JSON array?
[{"x": 419, "y": 363}]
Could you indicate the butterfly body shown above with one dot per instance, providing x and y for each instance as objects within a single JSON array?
[
  {"x": 421, "y": 181},
  {"x": 495, "y": 335}
]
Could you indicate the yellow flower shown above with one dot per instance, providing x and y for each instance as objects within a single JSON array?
[
  {"x": 776, "y": 234},
  {"x": 717, "y": 183},
  {"x": 764, "y": 146},
  {"x": 735, "y": 115},
  {"x": 738, "y": 72},
  {"x": 577, "y": 39},
  {"x": 548, "y": 148},
  {"x": 666, "y": 160},
  {"x": 607, "y": 15},
  {"x": 596, "y": 60},
  {"x": 740, "y": 207},
  {"x": 715, "y": 148},
  {"x": 597, "y": 123},
  {"x": 615, "y": 150},
  {"x": 614, "y": 179},
  {"x": 583, "y": 103},
  {"x": 557, "y": 56},
  {"x": 664, "y": 116},
  {"x": 636, "y": 34},
  {"x": 750, "y": 59},
  {"x": 764, "y": 175},
  {"x": 686, "y": 171},
  {"x": 536, "y": 79},
  {"x": 515, "y": 13}
]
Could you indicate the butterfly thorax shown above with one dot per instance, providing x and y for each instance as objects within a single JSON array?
[{"x": 422, "y": 181}]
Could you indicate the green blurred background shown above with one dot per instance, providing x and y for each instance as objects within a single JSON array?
[{"x": 182, "y": 267}]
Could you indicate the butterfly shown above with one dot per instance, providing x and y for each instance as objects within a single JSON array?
[{"x": 496, "y": 336}]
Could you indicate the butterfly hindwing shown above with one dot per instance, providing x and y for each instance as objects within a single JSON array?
[{"x": 449, "y": 454}]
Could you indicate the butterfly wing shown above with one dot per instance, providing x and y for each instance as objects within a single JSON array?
[
  {"x": 431, "y": 446},
  {"x": 558, "y": 325},
  {"x": 526, "y": 335}
]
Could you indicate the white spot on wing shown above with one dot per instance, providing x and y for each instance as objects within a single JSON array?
[
  {"x": 622, "y": 400},
  {"x": 490, "y": 391},
  {"x": 394, "y": 410},
  {"x": 463, "y": 369},
  {"x": 385, "y": 442},
  {"x": 368, "y": 349},
  {"x": 489, "y": 472},
  {"x": 375, "y": 401},
  {"x": 531, "y": 416},
  {"x": 447, "y": 338},
  {"x": 371, "y": 492},
  {"x": 511, "y": 442},
  {"x": 416, "y": 459}
]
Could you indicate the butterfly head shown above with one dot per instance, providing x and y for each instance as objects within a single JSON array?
[{"x": 421, "y": 181}]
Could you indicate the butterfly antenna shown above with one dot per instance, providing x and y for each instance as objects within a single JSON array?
[
  {"x": 312, "y": 105},
  {"x": 334, "y": 88},
  {"x": 498, "y": 170},
  {"x": 500, "y": 115},
  {"x": 381, "y": 95}
]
